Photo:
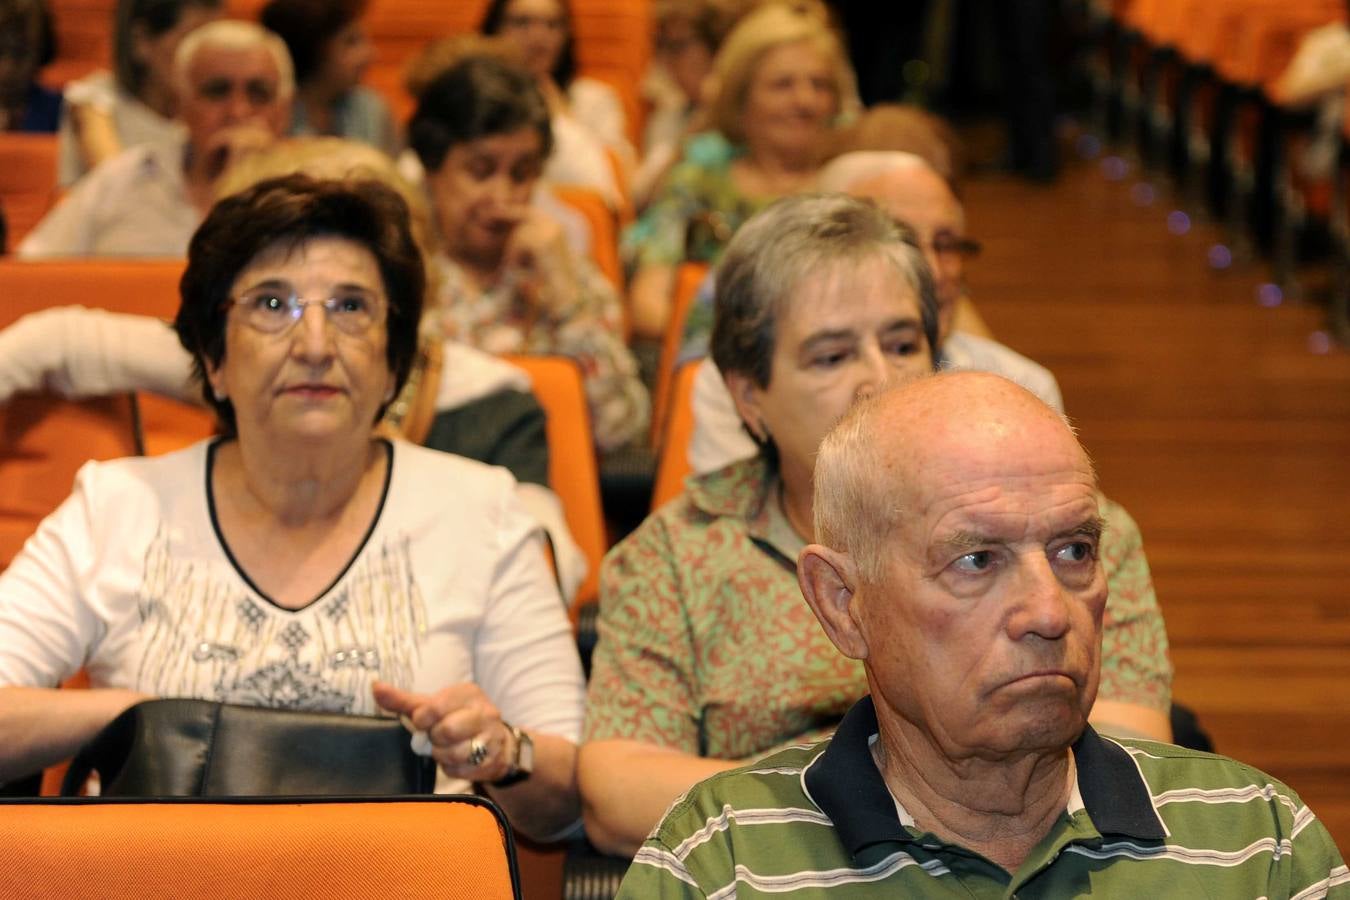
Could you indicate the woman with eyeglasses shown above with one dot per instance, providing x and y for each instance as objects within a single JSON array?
[{"x": 301, "y": 559}]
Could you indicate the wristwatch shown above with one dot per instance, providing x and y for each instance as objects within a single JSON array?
[{"x": 523, "y": 764}]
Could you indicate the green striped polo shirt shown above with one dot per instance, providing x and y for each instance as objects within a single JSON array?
[{"x": 1147, "y": 820}]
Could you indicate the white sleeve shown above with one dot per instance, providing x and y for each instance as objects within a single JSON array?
[
  {"x": 77, "y": 352},
  {"x": 719, "y": 437},
  {"x": 547, "y": 510},
  {"x": 48, "y": 629},
  {"x": 1047, "y": 388},
  {"x": 525, "y": 657}
]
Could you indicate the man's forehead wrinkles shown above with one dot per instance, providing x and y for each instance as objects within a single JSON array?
[{"x": 996, "y": 507}]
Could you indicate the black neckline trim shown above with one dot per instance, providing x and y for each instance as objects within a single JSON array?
[
  {"x": 360, "y": 547},
  {"x": 846, "y": 785}
]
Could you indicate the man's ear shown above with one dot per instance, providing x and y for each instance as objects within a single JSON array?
[
  {"x": 746, "y": 394},
  {"x": 829, "y": 582}
]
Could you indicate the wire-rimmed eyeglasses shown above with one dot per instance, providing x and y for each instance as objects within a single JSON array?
[{"x": 275, "y": 310}]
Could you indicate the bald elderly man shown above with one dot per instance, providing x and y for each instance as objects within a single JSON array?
[
  {"x": 959, "y": 530},
  {"x": 235, "y": 83},
  {"x": 911, "y": 191}
]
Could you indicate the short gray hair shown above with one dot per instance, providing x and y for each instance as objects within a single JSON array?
[
  {"x": 233, "y": 34},
  {"x": 852, "y": 514},
  {"x": 777, "y": 249}
]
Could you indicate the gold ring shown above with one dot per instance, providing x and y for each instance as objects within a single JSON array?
[{"x": 478, "y": 752}]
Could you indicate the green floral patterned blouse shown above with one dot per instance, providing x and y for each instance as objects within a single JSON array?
[{"x": 707, "y": 647}]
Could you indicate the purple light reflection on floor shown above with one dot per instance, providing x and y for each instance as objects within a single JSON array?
[{"x": 1178, "y": 222}]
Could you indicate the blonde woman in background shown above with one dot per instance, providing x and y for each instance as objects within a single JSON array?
[{"x": 780, "y": 81}]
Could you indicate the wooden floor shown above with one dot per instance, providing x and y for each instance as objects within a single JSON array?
[{"x": 1218, "y": 423}]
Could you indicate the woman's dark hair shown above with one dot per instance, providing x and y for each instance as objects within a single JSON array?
[
  {"x": 565, "y": 69},
  {"x": 307, "y": 27},
  {"x": 156, "y": 17},
  {"x": 286, "y": 212},
  {"x": 47, "y": 45},
  {"x": 476, "y": 97}
]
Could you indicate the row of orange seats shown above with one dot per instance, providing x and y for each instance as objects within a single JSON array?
[{"x": 612, "y": 40}]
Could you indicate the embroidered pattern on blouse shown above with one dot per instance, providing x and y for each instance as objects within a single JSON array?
[{"x": 204, "y": 635}]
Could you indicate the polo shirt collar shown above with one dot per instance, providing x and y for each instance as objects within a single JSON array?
[{"x": 846, "y": 785}]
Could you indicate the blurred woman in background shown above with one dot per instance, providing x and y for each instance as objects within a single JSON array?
[
  {"x": 331, "y": 52},
  {"x": 590, "y": 129},
  {"x": 780, "y": 81},
  {"x": 510, "y": 282}
]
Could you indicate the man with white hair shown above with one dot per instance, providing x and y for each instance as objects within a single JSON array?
[
  {"x": 910, "y": 191},
  {"x": 235, "y": 85},
  {"x": 959, "y": 532}
]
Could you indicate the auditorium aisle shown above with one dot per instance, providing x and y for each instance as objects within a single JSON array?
[{"x": 1219, "y": 415}]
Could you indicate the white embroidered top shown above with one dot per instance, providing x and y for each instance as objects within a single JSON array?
[{"x": 130, "y": 579}]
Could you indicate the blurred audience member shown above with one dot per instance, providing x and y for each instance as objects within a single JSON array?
[
  {"x": 588, "y": 118},
  {"x": 912, "y": 193},
  {"x": 443, "y": 54},
  {"x": 26, "y": 45},
  {"x": 687, "y": 36},
  {"x": 780, "y": 79},
  {"x": 331, "y": 51},
  {"x": 108, "y": 112},
  {"x": 511, "y": 283},
  {"x": 908, "y": 129},
  {"x": 234, "y": 91}
]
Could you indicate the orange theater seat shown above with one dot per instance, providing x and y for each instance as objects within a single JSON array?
[
  {"x": 27, "y": 181},
  {"x": 604, "y": 228},
  {"x": 572, "y": 468},
  {"x": 144, "y": 286},
  {"x": 447, "y": 847},
  {"x": 672, "y": 466},
  {"x": 44, "y": 440},
  {"x": 688, "y": 277},
  {"x": 165, "y": 425}
]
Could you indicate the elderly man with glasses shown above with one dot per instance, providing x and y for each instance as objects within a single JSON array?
[{"x": 235, "y": 86}]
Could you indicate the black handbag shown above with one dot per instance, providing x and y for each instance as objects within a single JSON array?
[{"x": 199, "y": 748}]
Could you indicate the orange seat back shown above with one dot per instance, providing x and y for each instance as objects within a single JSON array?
[
  {"x": 166, "y": 425},
  {"x": 27, "y": 181},
  {"x": 444, "y": 847},
  {"x": 148, "y": 287},
  {"x": 604, "y": 228},
  {"x": 688, "y": 277},
  {"x": 43, "y": 443},
  {"x": 44, "y": 440},
  {"x": 572, "y": 468},
  {"x": 672, "y": 465}
]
